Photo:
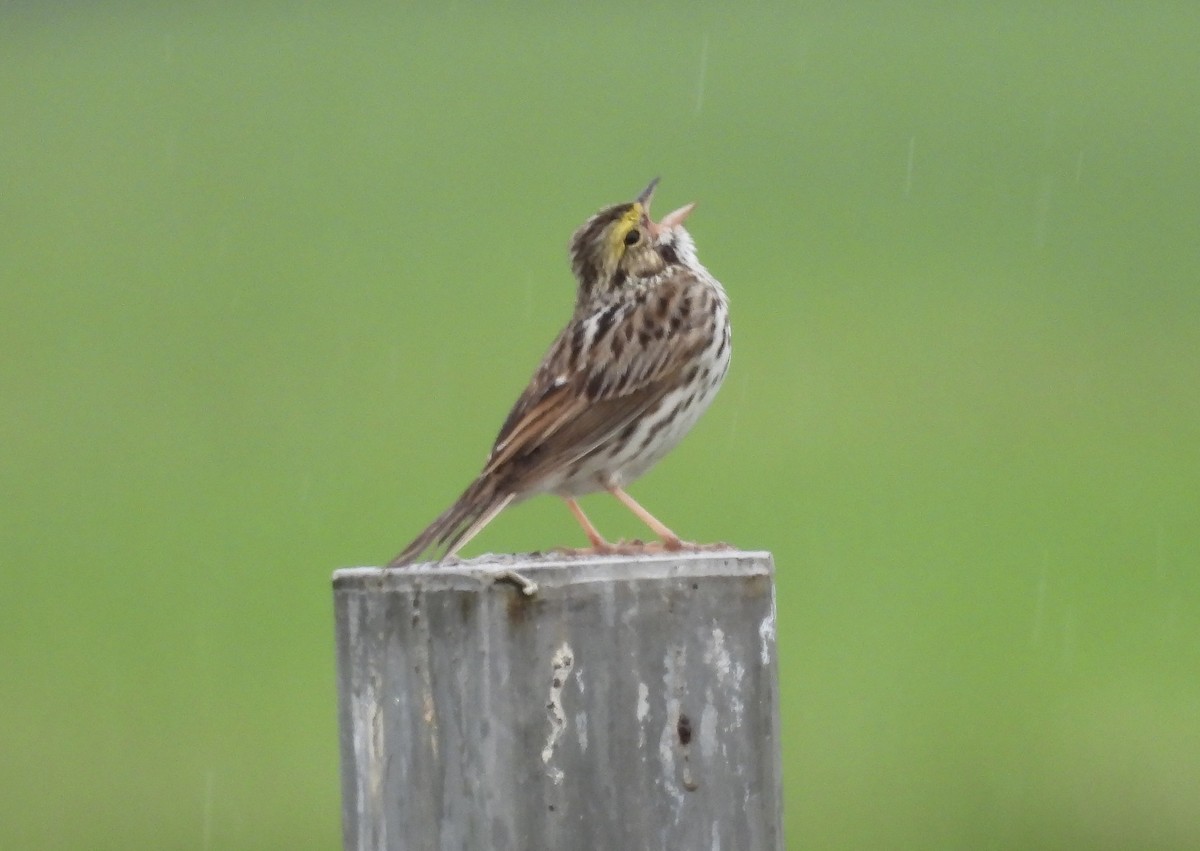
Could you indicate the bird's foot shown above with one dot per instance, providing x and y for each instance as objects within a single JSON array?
[
  {"x": 583, "y": 552},
  {"x": 637, "y": 547},
  {"x": 675, "y": 545},
  {"x": 606, "y": 548},
  {"x": 568, "y": 552},
  {"x": 715, "y": 547}
]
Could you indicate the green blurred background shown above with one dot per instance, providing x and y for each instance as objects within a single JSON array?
[{"x": 273, "y": 272}]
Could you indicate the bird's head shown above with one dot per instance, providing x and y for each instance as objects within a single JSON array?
[{"x": 621, "y": 245}]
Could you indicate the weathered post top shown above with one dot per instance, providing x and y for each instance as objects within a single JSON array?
[{"x": 615, "y": 702}]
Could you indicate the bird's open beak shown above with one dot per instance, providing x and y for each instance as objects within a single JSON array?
[
  {"x": 647, "y": 194},
  {"x": 670, "y": 220},
  {"x": 675, "y": 218}
]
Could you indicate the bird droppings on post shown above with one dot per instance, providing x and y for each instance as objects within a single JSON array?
[
  {"x": 674, "y": 668},
  {"x": 708, "y": 729},
  {"x": 643, "y": 709},
  {"x": 561, "y": 664},
  {"x": 766, "y": 632},
  {"x": 716, "y": 655},
  {"x": 581, "y": 724},
  {"x": 689, "y": 782}
]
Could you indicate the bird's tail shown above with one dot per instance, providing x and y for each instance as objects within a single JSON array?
[{"x": 458, "y": 524}]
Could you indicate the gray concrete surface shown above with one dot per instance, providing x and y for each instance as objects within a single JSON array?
[{"x": 625, "y": 703}]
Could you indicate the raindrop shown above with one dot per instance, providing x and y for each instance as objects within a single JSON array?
[
  {"x": 908, "y": 172},
  {"x": 209, "y": 780}
]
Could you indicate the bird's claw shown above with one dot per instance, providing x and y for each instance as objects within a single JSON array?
[{"x": 637, "y": 547}]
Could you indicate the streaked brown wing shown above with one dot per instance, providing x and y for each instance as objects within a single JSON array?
[{"x": 564, "y": 415}]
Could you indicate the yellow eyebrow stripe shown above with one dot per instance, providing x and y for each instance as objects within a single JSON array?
[{"x": 624, "y": 225}]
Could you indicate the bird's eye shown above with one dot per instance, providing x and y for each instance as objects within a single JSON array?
[{"x": 633, "y": 236}]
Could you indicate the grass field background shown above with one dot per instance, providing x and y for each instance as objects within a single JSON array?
[{"x": 272, "y": 273}]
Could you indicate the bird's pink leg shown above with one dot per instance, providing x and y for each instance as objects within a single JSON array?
[
  {"x": 597, "y": 541},
  {"x": 670, "y": 541}
]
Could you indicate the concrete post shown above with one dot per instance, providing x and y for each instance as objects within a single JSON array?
[{"x": 545, "y": 702}]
